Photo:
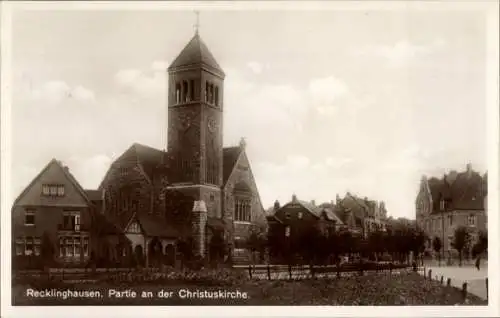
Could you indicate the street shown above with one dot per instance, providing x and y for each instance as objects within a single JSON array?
[{"x": 475, "y": 279}]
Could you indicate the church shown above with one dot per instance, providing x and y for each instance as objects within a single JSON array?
[{"x": 156, "y": 205}]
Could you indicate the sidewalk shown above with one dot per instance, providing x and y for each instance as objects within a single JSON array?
[{"x": 475, "y": 279}]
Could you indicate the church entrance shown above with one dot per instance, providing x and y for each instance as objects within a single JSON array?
[
  {"x": 155, "y": 252},
  {"x": 169, "y": 258}
]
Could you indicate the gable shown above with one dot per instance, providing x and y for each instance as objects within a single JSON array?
[
  {"x": 134, "y": 227},
  {"x": 242, "y": 172},
  {"x": 53, "y": 174}
]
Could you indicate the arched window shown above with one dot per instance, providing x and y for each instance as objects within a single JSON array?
[
  {"x": 211, "y": 93},
  {"x": 191, "y": 90},
  {"x": 184, "y": 91},
  {"x": 207, "y": 89},
  {"x": 216, "y": 96},
  {"x": 177, "y": 93}
]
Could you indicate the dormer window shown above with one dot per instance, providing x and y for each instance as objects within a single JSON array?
[{"x": 299, "y": 215}]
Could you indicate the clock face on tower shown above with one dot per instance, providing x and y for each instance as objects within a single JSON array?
[
  {"x": 212, "y": 124},
  {"x": 185, "y": 121}
]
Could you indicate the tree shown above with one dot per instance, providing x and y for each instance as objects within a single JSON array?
[
  {"x": 217, "y": 247},
  {"x": 481, "y": 246},
  {"x": 47, "y": 250},
  {"x": 460, "y": 241},
  {"x": 257, "y": 241},
  {"x": 437, "y": 245},
  {"x": 417, "y": 241}
]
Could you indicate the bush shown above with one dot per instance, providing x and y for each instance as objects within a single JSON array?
[{"x": 203, "y": 277}]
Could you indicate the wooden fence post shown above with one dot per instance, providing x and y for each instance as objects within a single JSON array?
[
  {"x": 424, "y": 272},
  {"x": 311, "y": 269},
  {"x": 290, "y": 271},
  {"x": 430, "y": 274},
  {"x": 250, "y": 271},
  {"x": 442, "y": 278},
  {"x": 268, "y": 272},
  {"x": 390, "y": 268},
  {"x": 464, "y": 292},
  {"x": 448, "y": 282}
]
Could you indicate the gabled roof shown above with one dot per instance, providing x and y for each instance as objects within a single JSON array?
[
  {"x": 195, "y": 52},
  {"x": 65, "y": 171},
  {"x": 229, "y": 157},
  {"x": 149, "y": 158},
  {"x": 466, "y": 192},
  {"x": 157, "y": 226},
  {"x": 105, "y": 226},
  {"x": 331, "y": 215},
  {"x": 94, "y": 195}
]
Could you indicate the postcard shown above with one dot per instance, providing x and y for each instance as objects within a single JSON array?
[{"x": 254, "y": 158}]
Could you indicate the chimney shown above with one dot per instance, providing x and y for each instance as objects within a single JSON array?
[
  {"x": 313, "y": 202},
  {"x": 276, "y": 205},
  {"x": 337, "y": 198},
  {"x": 294, "y": 198}
]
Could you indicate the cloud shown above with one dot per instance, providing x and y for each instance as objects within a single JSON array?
[
  {"x": 258, "y": 68},
  {"x": 150, "y": 82},
  {"x": 401, "y": 52},
  {"x": 56, "y": 91}
]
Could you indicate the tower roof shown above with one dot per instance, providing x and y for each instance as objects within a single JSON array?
[{"x": 195, "y": 52}]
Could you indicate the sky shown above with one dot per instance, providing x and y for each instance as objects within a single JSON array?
[{"x": 328, "y": 101}]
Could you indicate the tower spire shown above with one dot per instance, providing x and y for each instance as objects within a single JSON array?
[{"x": 197, "y": 23}]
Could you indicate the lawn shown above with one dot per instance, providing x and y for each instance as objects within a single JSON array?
[{"x": 373, "y": 289}]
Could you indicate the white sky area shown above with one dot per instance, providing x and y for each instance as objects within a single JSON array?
[{"x": 328, "y": 101}]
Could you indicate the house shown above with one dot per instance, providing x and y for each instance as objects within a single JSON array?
[
  {"x": 55, "y": 208},
  {"x": 456, "y": 199}
]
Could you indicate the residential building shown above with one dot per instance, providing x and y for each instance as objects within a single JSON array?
[
  {"x": 456, "y": 199},
  {"x": 54, "y": 207}
]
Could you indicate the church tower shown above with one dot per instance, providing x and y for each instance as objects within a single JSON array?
[{"x": 195, "y": 106}]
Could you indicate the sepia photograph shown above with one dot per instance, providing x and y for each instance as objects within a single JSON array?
[{"x": 249, "y": 154}]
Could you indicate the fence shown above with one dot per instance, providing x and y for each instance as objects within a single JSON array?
[
  {"x": 277, "y": 272},
  {"x": 427, "y": 273}
]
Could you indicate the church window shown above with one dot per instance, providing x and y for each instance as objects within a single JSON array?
[
  {"x": 242, "y": 210},
  {"x": 191, "y": 90},
  {"x": 177, "y": 93},
  {"x": 206, "y": 91},
  {"x": 185, "y": 91},
  {"x": 216, "y": 96}
]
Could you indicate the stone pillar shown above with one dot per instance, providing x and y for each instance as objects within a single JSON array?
[{"x": 198, "y": 227}]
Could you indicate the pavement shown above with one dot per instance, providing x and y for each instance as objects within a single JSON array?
[{"x": 475, "y": 279}]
